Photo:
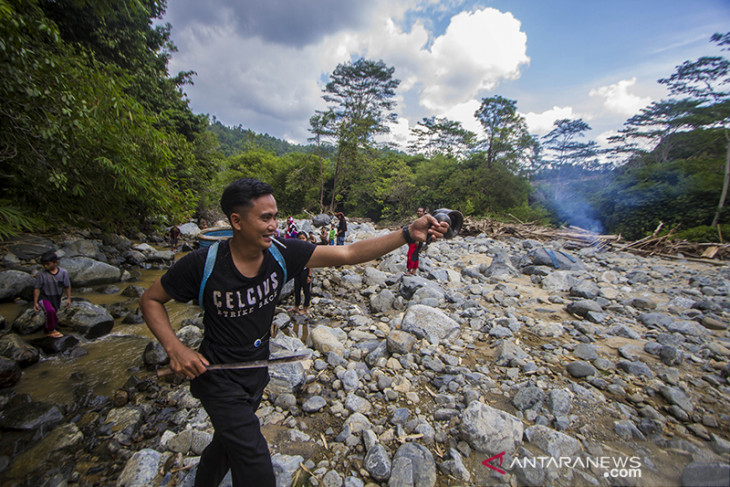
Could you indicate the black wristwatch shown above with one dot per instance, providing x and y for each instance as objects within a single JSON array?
[{"x": 407, "y": 235}]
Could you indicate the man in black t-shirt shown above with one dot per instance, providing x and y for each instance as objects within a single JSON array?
[{"x": 239, "y": 300}]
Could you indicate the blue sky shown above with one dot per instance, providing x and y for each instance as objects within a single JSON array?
[{"x": 263, "y": 64}]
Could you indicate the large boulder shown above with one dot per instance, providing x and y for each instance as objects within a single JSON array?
[
  {"x": 84, "y": 272},
  {"x": 54, "y": 346},
  {"x": 321, "y": 220},
  {"x": 13, "y": 347},
  {"x": 29, "y": 321},
  {"x": 14, "y": 284},
  {"x": 87, "y": 319},
  {"x": 28, "y": 247},
  {"x": 189, "y": 229},
  {"x": 430, "y": 323},
  {"x": 80, "y": 248}
]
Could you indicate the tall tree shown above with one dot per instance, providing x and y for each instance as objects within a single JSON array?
[
  {"x": 320, "y": 127},
  {"x": 441, "y": 136},
  {"x": 650, "y": 131},
  {"x": 361, "y": 98},
  {"x": 507, "y": 139},
  {"x": 563, "y": 147},
  {"x": 704, "y": 80}
]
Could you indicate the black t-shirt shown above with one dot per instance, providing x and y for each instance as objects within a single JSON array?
[
  {"x": 342, "y": 228},
  {"x": 238, "y": 310}
]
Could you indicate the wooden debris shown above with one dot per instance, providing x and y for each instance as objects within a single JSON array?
[{"x": 576, "y": 238}]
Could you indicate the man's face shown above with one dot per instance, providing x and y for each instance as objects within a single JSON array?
[
  {"x": 420, "y": 212},
  {"x": 50, "y": 266},
  {"x": 257, "y": 224}
]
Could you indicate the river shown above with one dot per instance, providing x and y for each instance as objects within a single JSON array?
[{"x": 109, "y": 360}]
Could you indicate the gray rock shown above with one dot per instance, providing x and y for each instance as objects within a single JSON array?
[
  {"x": 528, "y": 398},
  {"x": 553, "y": 442},
  {"x": 382, "y": 302},
  {"x": 627, "y": 431},
  {"x": 670, "y": 355},
  {"x": 83, "y": 271},
  {"x": 560, "y": 401},
  {"x": 27, "y": 247},
  {"x": 687, "y": 327},
  {"x": 509, "y": 354},
  {"x": 585, "y": 351},
  {"x": 430, "y": 323},
  {"x": 580, "y": 369},
  {"x": 655, "y": 319},
  {"x": 15, "y": 284},
  {"x": 635, "y": 368},
  {"x": 14, "y": 348},
  {"x": 29, "y": 321},
  {"x": 314, "y": 404},
  {"x": 585, "y": 289},
  {"x": 87, "y": 319},
  {"x": 413, "y": 465},
  {"x": 706, "y": 475},
  {"x": 285, "y": 467},
  {"x": 675, "y": 395},
  {"x": 490, "y": 430},
  {"x": 558, "y": 281},
  {"x": 455, "y": 467},
  {"x": 141, "y": 469},
  {"x": 583, "y": 307},
  {"x": 377, "y": 463},
  {"x": 501, "y": 267},
  {"x": 400, "y": 342}
]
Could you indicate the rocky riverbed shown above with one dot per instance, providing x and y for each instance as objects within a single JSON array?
[{"x": 510, "y": 362}]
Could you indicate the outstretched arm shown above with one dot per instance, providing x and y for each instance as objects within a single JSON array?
[
  {"x": 183, "y": 361},
  {"x": 372, "y": 248}
]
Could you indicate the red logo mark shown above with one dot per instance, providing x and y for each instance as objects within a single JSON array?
[{"x": 487, "y": 464}]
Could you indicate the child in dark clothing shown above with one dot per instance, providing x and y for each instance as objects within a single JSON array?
[
  {"x": 48, "y": 289},
  {"x": 302, "y": 283}
]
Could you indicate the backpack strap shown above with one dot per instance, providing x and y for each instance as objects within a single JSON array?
[
  {"x": 210, "y": 263},
  {"x": 208, "y": 269},
  {"x": 279, "y": 259}
]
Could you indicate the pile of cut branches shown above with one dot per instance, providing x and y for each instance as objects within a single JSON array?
[{"x": 576, "y": 238}]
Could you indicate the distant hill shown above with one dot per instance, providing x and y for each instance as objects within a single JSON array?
[{"x": 236, "y": 139}]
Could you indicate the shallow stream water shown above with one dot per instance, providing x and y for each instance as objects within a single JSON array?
[{"x": 108, "y": 361}]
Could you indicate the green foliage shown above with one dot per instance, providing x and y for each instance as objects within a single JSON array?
[
  {"x": 75, "y": 143},
  {"x": 13, "y": 220},
  {"x": 703, "y": 233}
]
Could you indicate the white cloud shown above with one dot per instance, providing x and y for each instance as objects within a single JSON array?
[
  {"x": 477, "y": 50},
  {"x": 274, "y": 85},
  {"x": 542, "y": 123},
  {"x": 618, "y": 99}
]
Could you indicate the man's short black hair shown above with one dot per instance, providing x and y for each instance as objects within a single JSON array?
[
  {"x": 49, "y": 257},
  {"x": 239, "y": 194}
]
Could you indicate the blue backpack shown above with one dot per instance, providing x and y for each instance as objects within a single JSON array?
[{"x": 210, "y": 263}]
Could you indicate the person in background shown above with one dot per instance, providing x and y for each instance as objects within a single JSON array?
[
  {"x": 332, "y": 235},
  {"x": 341, "y": 228},
  {"x": 174, "y": 237},
  {"x": 302, "y": 284},
  {"x": 413, "y": 250},
  {"x": 239, "y": 300},
  {"x": 312, "y": 238},
  {"x": 50, "y": 284},
  {"x": 291, "y": 228},
  {"x": 323, "y": 236}
]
